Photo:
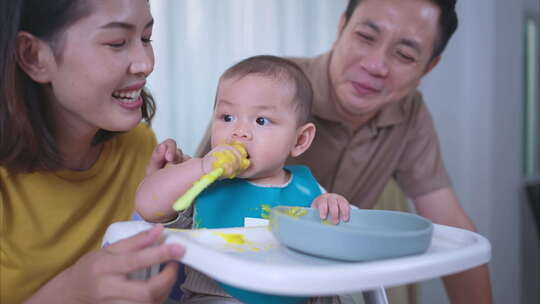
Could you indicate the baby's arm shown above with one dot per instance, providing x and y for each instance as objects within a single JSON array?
[
  {"x": 160, "y": 189},
  {"x": 334, "y": 203}
]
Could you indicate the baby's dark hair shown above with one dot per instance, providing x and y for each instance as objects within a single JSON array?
[{"x": 281, "y": 70}]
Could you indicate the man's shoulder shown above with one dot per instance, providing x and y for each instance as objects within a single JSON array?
[
  {"x": 414, "y": 99},
  {"x": 302, "y": 61},
  {"x": 414, "y": 105},
  {"x": 306, "y": 63}
]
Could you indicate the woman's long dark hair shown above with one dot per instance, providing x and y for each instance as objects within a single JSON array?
[{"x": 26, "y": 140}]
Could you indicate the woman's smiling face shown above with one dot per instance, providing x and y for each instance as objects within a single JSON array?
[{"x": 105, "y": 57}]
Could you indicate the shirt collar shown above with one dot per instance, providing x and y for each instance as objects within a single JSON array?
[{"x": 324, "y": 102}]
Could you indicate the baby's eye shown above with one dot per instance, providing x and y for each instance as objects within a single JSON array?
[
  {"x": 262, "y": 121},
  {"x": 227, "y": 117}
]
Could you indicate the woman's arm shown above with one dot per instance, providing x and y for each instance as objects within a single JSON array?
[{"x": 102, "y": 276}]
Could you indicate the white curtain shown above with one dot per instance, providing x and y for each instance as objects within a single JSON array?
[{"x": 196, "y": 40}]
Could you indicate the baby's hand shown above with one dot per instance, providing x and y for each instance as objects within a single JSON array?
[
  {"x": 231, "y": 157},
  {"x": 164, "y": 154},
  {"x": 335, "y": 203}
]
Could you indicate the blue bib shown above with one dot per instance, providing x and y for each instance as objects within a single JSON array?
[{"x": 226, "y": 204}]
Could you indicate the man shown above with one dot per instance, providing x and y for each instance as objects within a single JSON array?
[{"x": 372, "y": 124}]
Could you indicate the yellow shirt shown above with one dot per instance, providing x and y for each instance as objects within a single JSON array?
[{"x": 49, "y": 220}]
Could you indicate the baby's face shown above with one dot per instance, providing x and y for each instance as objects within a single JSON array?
[{"x": 258, "y": 112}]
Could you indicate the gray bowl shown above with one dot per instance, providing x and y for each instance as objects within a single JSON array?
[{"x": 369, "y": 234}]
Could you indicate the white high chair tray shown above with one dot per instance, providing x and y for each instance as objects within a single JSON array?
[{"x": 263, "y": 264}]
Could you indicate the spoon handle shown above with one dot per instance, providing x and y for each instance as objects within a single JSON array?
[{"x": 198, "y": 186}]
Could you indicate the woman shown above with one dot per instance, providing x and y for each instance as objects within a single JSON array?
[{"x": 73, "y": 150}]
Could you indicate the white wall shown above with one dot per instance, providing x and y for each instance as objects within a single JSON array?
[{"x": 476, "y": 99}]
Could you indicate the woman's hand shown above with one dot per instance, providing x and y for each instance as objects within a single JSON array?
[
  {"x": 334, "y": 203},
  {"x": 102, "y": 276},
  {"x": 164, "y": 154}
]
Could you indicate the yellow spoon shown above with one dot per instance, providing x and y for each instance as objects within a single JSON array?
[{"x": 223, "y": 159}]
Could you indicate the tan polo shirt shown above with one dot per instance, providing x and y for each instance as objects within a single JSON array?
[{"x": 400, "y": 142}]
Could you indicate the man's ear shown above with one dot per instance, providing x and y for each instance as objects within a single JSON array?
[
  {"x": 34, "y": 57},
  {"x": 304, "y": 137},
  {"x": 432, "y": 64},
  {"x": 341, "y": 25}
]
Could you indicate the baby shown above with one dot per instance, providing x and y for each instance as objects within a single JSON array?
[{"x": 261, "y": 117}]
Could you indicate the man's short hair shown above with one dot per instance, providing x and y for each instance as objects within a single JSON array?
[
  {"x": 283, "y": 71},
  {"x": 448, "y": 22}
]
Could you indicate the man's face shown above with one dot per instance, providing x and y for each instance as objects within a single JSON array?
[{"x": 381, "y": 54}]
